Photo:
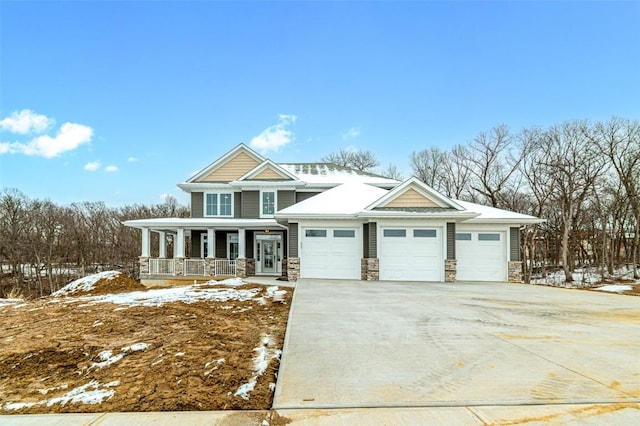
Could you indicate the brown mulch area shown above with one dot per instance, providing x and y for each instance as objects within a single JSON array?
[{"x": 198, "y": 354}]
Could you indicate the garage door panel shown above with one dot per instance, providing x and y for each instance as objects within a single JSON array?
[
  {"x": 330, "y": 253},
  {"x": 411, "y": 254},
  {"x": 481, "y": 256}
]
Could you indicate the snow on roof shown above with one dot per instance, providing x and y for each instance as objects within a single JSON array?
[
  {"x": 327, "y": 173},
  {"x": 488, "y": 214},
  {"x": 344, "y": 200}
]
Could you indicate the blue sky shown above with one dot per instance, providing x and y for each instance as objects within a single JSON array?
[{"x": 120, "y": 101}]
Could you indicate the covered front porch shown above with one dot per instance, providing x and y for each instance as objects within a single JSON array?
[{"x": 179, "y": 248}]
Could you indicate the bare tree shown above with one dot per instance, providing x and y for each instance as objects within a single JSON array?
[
  {"x": 364, "y": 161},
  {"x": 392, "y": 172},
  {"x": 619, "y": 141},
  {"x": 574, "y": 166},
  {"x": 493, "y": 158}
]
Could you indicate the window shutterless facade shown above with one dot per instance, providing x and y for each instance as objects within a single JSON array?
[
  {"x": 218, "y": 204},
  {"x": 268, "y": 200}
]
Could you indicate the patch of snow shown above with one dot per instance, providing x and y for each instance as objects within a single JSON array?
[
  {"x": 107, "y": 359},
  {"x": 97, "y": 323},
  {"x": 89, "y": 393},
  {"x": 272, "y": 387},
  {"x": 218, "y": 363},
  {"x": 180, "y": 354},
  {"x": 615, "y": 288},
  {"x": 86, "y": 283},
  {"x": 4, "y": 302},
  {"x": 136, "y": 347},
  {"x": 46, "y": 391},
  {"x": 275, "y": 293},
  {"x": 186, "y": 294},
  {"x": 11, "y": 406},
  {"x": 260, "y": 365}
]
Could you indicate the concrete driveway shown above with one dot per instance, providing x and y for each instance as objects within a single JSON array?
[{"x": 385, "y": 344}]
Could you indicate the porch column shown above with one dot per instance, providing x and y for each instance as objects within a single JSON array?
[
  {"x": 179, "y": 244},
  {"x": 146, "y": 246},
  {"x": 163, "y": 245},
  {"x": 241, "y": 243},
  {"x": 211, "y": 243}
]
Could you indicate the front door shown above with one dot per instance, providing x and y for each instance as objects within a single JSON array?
[
  {"x": 268, "y": 256},
  {"x": 268, "y": 253}
]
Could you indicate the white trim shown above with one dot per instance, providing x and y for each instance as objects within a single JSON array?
[
  {"x": 275, "y": 203},
  {"x": 173, "y": 223},
  {"x": 420, "y": 187},
  {"x": 264, "y": 165},
  {"x": 278, "y": 238},
  {"x": 218, "y": 194},
  {"x": 229, "y": 235},
  {"x": 222, "y": 160}
]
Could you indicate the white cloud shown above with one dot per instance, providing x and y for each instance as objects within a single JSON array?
[
  {"x": 276, "y": 136},
  {"x": 92, "y": 166},
  {"x": 111, "y": 169},
  {"x": 26, "y": 121},
  {"x": 132, "y": 160},
  {"x": 352, "y": 133},
  {"x": 69, "y": 137}
]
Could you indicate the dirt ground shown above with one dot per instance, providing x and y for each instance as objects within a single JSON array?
[{"x": 176, "y": 356}]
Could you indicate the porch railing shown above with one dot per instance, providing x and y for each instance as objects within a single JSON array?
[
  {"x": 162, "y": 266},
  {"x": 225, "y": 267},
  {"x": 195, "y": 267},
  {"x": 221, "y": 267}
]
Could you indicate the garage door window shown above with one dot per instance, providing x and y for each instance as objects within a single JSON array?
[
  {"x": 463, "y": 236},
  {"x": 424, "y": 233},
  {"x": 316, "y": 233},
  {"x": 395, "y": 233},
  {"x": 344, "y": 233},
  {"x": 488, "y": 237}
]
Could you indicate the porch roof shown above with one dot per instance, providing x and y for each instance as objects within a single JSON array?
[{"x": 172, "y": 223}]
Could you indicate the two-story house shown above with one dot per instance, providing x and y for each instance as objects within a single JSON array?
[{"x": 251, "y": 216}]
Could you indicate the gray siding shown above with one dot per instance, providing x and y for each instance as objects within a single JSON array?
[
  {"x": 514, "y": 240},
  {"x": 373, "y": 240},
  {"x": 451, "y": 240},
  {"x": 250, "y": 204},
  {"x": 195, "y": 244},
  {"x": 286, "y": 199},
  {"x": 301, "y": 196},
  {"x": 365, "y": 240},
  {"x": 197, "y": 204},
  {"x": 221, "y": 245},
  {"x": 293, "y": 240},
  {"x": 237, "y": 205}
]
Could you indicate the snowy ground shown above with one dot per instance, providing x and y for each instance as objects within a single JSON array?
[
  {"x": 198, "y": 347},
  {"x": 621, "y": 282}
]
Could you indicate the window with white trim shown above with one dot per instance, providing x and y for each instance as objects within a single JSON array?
[
  {"x": 268, "y": 200},
  {"x": 218, "y": 204}
]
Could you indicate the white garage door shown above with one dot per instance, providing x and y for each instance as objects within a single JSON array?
[
  {"x": 411, "y": 254},
  {"x": 482, "y": 256},
  {"x": 330, "y": 253}
]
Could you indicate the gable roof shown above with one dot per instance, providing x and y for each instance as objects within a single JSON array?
[
  {"x": 414, "y": 191},
  {"x": 343, "y": 201},
  {"x": 268, "y": 170},
  {"x": 245, "y": 158},
  {"x": 488, "y": 214}
]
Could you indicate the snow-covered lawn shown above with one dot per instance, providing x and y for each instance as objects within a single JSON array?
[
  {"x": 615, "y": 288},
  {"x": 204, "y": 346}
]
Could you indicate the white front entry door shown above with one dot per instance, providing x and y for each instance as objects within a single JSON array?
[{"x": 268, "y": 254}]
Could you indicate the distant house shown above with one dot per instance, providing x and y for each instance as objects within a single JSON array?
[{"x": 251, "y": 216}]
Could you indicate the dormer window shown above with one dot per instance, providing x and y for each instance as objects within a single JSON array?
[
  {"x": 268, "y": 201},
  {"x": 219, "y": 204}
]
